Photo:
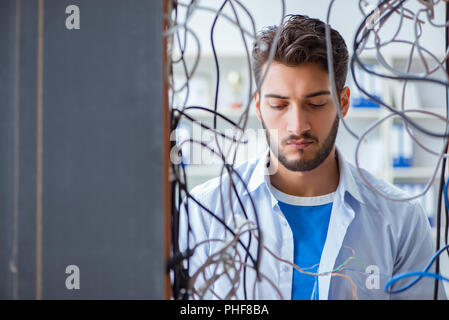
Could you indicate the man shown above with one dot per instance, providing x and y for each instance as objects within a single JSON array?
[{"x": 324, "y": 234}]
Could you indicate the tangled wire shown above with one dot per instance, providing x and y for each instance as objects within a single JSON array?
[{"x": 228, "y": 261}]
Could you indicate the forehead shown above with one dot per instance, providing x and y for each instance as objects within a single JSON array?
[{"x": 294, "y": 81}]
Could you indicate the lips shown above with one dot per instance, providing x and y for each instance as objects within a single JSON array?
[{"x": 299, "y": 144}]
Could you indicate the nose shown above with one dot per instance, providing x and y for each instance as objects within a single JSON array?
[{"x": 297, "y": 121}]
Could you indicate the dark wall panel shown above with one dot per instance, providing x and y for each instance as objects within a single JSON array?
[{"x": 102, "y": 150}]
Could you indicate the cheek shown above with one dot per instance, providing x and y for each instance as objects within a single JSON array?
[
  {"x": 275, "y": 125},
  {"x": 270, "y": 118},
  {"x": 322, "y": 125}
]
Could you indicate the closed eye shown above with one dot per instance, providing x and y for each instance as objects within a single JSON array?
[
  {"x": 276, "y": 106},
  {"x": 317, "y": 105}
]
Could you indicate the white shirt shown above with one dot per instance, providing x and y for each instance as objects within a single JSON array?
[{"x": 386, "y": 237}]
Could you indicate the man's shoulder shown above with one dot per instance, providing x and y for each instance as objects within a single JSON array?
[
  {"x": 211, "y": 187},
  {"x": 383, "y": 195},
  {"x": 368, "y": 181}
]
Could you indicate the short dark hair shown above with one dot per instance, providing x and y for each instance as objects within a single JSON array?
[{"x": 301, "y": 40}]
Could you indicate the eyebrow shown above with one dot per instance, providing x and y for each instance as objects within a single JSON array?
[{"x": 310, "y": 95}]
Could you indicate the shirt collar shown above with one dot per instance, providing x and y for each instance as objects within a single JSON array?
[{"x": 347, "y": 181}]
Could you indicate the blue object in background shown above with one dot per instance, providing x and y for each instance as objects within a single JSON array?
[
  {"x": 369, "y": 83},
  {"x": 402, "y": 146}
]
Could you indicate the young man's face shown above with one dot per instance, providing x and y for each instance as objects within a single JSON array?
[{"x": 296, "y": 101}]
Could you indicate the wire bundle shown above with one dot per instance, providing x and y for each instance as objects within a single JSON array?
[
  {"x": 228, "y": 261},
  {"x": 383, "y": 12}
]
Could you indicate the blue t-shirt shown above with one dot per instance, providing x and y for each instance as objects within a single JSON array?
[{"x": 308, "y": 218}]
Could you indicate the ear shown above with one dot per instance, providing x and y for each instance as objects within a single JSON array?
[
  {"x": 257, "y": 103},
  {"x": 344, "y": 100}
]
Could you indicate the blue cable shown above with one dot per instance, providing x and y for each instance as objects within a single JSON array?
[
  {"x": 424, "y": 273},
  {"x": 415, "y": 273},
  {"x": 419, "y": 274}
]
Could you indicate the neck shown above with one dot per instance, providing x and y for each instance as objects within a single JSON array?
[{"x": 319, "y": 181}]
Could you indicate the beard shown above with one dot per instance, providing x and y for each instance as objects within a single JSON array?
[{"x": 304, "y": 164}]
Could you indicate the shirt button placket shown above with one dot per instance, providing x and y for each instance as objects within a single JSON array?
[{"x": 284, "y": 274}]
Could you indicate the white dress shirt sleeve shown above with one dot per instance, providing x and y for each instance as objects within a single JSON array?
[
  {"x": 416, "y": 248},
  {"x": 193, "y": 216}
]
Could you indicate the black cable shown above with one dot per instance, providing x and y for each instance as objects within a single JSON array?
[
  {"x": 438, "y": 225},
  {"x": 355, "y": 59},
  {"x": 442, "y": 182},
  {"x": 180, "y": 178},
  {"x": 215, "y": 106},
  {"x": 190, "y": 196},
  {"x": 446, "y": 230},
  {"x": 176, "y": 262},
  {"x": 210, "y": 129}
]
